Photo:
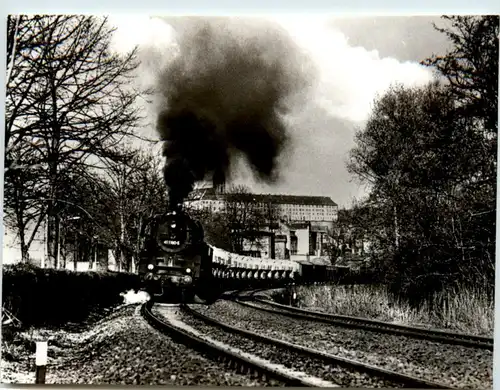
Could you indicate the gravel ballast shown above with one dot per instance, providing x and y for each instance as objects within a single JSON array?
[
  {"x": 123, "y": 349},
  {"x": 178, "y": 319},
  {"x": 455, "y": 366},
  {"x": 295, "y": 362}
]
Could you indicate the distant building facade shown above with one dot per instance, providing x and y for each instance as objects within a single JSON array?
[
  {"x": 38, "y": 252},
  {"x": 304, "y": 228},
  {"x": 289, "y": 207}
]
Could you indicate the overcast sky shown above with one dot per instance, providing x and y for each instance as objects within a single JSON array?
[{"x": 354, "y": 59}]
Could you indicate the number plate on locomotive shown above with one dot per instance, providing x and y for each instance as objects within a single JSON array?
[{"x": 171, "y": 242}]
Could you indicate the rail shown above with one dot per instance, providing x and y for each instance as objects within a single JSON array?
[
  {"x": 406, "y": 380},
  {"x": 438, "y": 335},
  {"x": 227, "y": 356}
]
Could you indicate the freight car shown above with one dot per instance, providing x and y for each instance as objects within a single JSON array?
[{"x": 315, "y": 271}]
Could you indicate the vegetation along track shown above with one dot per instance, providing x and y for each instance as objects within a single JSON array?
[
  {"x": 234, "y": 360},
  {"x": 378, "y": 326},
  {"x": 387, "y": 376}
]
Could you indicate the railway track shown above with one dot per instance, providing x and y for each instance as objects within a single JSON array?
[
  {"x": 245, "y": 294},
  {"x": 395, "y": 378},
  {"x": 374, "y": 325},
  {"x": 233, "y": 359}
]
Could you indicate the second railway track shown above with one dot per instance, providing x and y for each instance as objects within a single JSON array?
[
  {"x": 332, "y": 365},
  {"x": 374, "y": 325}
]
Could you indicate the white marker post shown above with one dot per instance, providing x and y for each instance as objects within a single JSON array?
[{"x": 41, "y": 361}]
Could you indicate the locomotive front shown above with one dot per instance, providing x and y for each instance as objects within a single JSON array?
[{"x": 176, "y": 261}]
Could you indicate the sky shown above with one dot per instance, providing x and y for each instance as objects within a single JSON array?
[{"x": 354, "y": 61}]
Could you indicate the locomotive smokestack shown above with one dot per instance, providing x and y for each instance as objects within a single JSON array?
[{"x": 225, "y": 95}]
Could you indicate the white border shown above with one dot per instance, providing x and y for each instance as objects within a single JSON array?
[{"x": 257, "y": 7}]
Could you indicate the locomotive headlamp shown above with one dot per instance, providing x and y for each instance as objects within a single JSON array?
[
  {"x": 188, "y": 270},
  {"x": 173, "y": 226},
  {"x": 150, "y": 266}
]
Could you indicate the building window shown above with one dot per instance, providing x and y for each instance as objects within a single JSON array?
[{"x": 293, "y": 244}]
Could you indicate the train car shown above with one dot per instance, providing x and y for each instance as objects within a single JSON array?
[
  {"x": 315, "y": 271},
  {"x": 176, "y": 264}
]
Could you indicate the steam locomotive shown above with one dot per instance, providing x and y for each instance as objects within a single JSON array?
[{"x": 176, "y": 264}]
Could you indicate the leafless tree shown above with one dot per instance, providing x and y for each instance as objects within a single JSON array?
[
  {"x": 134, "y": 192},
  {"x": 70, "y": 102},
  {"x": 244, "y": 214}
]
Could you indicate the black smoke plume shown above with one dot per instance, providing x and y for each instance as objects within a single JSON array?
[{"x": 226, "y": 94}]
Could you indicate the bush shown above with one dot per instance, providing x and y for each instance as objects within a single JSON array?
[
  {"x": 38, "y": 296},
  {"x": 422, "y": 271},
  {"x": 465, "y": 310}
]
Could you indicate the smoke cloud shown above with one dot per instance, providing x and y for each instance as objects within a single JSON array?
[{"x": 227, "y": 94}]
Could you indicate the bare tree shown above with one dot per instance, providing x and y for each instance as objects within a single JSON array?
[
  {"x": 134, "y": 192},
  {"x": 243, "y": 214},
  {"x": 70, "y": 102},
  {"x": 24, "y": 215},
  {"x": 471, "y": 66}
]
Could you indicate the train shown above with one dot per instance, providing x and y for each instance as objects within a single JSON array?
[{"x": 177, "y": 265}]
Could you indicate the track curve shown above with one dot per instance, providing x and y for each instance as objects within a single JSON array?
[
  {"x": 392, "y": 376},
  {"x": 233, "y": 360},
  {"x": 374, "y": 325}
]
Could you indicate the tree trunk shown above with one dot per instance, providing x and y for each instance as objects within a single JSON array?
[
  {"x": 138, "y": 246},
  {"x": 63, "y": 253},
  {"x": 123, "y": 257},
  {"x": 118, "y": 256},
  {"x": 24, "y": 251},
  {"x": 396, "y": 229},
  {"x": 83, "y": 255},
  {"x": 101, "y": 256},
  {"x": 76, "y": 256},
  {"x": 57, "y": 242},
  {"x": 53, "y": 238},
  {"x": 53, "y": 219},
  {"x": 21, "y": 231}
]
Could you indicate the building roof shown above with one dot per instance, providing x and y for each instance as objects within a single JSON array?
[
  {"x": 211, "y": 194},
  {"x": 298, "y": 225}
]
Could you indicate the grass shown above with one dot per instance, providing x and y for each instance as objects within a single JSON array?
[{"x": 467, "y": 311}]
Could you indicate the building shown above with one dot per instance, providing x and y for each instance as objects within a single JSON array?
[
  {"x": 102, "y": 257},
  {"x": 304, "y": 223},
  {"x": 288, "y": 207}
]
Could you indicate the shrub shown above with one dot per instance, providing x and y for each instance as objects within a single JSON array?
[{"x": 38, "y": 296}]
